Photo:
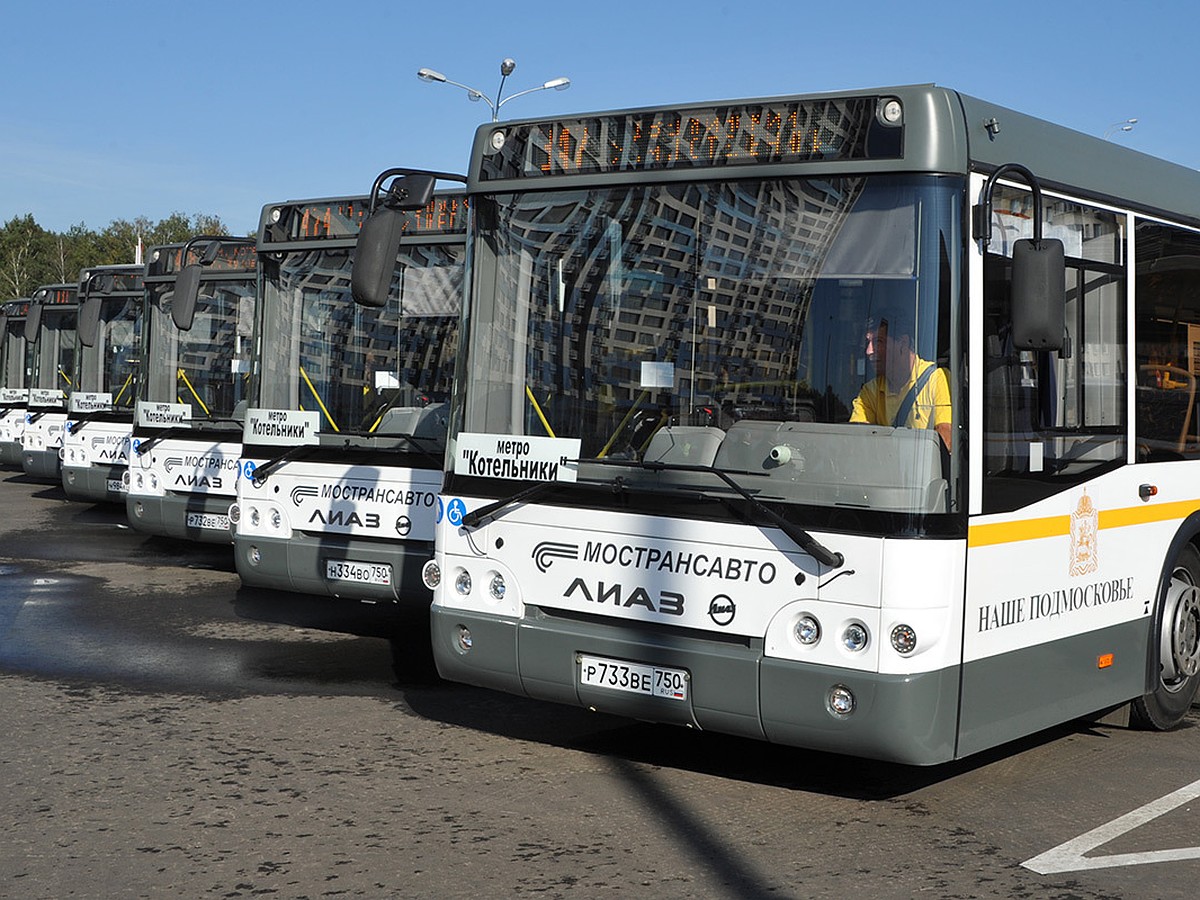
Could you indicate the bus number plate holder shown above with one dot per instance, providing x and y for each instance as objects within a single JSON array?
[
  {"x": 635, "y": 678},
  {"x": 358, "y": 572},
  {"x": 209, "y": 521}
]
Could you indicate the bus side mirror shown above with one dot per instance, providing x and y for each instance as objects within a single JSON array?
[
  {"x": 375, "y": 256},
  {"x": 379, "y": 239},
  {"x": 33, "y": 322},
  {"x": 1039, "y": 294},
  {"x": 183, "y": 304},
  {"x": 88, "y": 325}
]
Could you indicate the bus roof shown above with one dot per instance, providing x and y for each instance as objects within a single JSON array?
[{"x": 944, "y": 131}]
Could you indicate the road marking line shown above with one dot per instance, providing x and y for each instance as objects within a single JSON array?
[{"x": 1069, "y": 857}]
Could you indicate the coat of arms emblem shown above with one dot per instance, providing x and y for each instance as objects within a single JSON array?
[{"x": 1085, "y": 527}]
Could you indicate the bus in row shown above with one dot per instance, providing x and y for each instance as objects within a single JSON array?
[
  {"x": 862, "y": 421},
  {"x": 14, "y": 377},
  {"x": 95, "y": 441},
  {"x": 186, "y": 454},
  {"x": 50, "y": 333}
]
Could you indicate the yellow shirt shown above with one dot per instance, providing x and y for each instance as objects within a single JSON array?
[{"x": 877, "y": 405}]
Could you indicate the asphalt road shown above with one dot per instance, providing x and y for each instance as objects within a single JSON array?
[{"x": 166, "y": 731}]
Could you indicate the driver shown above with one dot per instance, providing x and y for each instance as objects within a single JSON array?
[{"x": 907, "y": 391}]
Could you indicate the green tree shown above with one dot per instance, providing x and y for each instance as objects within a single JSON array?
[
  {"x": 24, "y": 246},
  {"x": 31, "y": 256}
]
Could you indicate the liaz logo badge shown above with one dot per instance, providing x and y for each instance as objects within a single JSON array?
[
  {"x": 722, "y": 609},
  {"x": 668, "y": 603}
]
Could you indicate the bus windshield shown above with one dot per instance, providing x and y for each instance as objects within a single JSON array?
[
  {"x": 54, "y": 359},
  {"x": 208, "y": 366},
  {"x": 800, "y": 335},
  {"x": 365, "y": 371},
  {"x": 110, "y": 366}
]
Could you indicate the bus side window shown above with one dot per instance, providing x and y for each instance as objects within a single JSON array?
[{"x": 1168, "y": 329}]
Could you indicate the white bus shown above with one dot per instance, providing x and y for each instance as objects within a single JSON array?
[
  {"x": 95, "y": 442},
  {"x": 14, "y": 372},
  {"x": 50, "y": 330},
  {"x": 192, "y": 390},
  {"x": 345, "y": 437},
  {"x": 862, "y": 422}
]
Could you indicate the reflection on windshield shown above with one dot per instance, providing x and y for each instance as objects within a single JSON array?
[
  {"x": 110, "y": 365},
  {"x": 366, "y": 371},
  {"x": 54, "y": 354},
  {"x": 731, "y": 318},
  {"x": 208, "y": 366}
]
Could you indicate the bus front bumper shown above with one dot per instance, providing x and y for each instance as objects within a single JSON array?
[
  {"x": 732, "y": 687},
  {"x": 300, "y": 563}
]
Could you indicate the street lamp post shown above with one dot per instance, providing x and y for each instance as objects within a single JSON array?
[
  {"x": 1126, "y": 125},
  {"x": 506, "y": 68}
]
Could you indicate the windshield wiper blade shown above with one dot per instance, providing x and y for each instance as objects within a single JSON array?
[
  {"x": 176, "y": 430},
  {"x": 261, "y": 472},
  {"x": 413, "y": 440},
  {"x": 802, "y": 538},
  {"x": 477, "y": 517}
]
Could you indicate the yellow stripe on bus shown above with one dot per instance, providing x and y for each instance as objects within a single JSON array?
[{"x": 1059, "y": 526}]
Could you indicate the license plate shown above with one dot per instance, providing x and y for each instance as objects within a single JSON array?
[
  {"x": 116, "y": 486},
  {"x": 360, "y": 572},
  {"x": 208, "y": 520},
  {"x": 636, "y": 678}
]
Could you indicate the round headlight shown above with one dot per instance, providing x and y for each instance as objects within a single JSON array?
[
  {"x": 255, "y": 518},
  {"x": 276, "y": 518},
  {"x": 235, "y": 513},
  {"x": 855, "y": 637},
  {"x": 464, "y": 638},
  {"x": 254, "y": 555},
  {"x": 497, "y": 587},
  {"x": 462, "y": 583},
  {"x": 904, "y": 639},
  {"x": 153, "y": 482},
  {"x": 138, "y": 509},
  {"x": 431, "y": 574},
  {"x": 840, "y": 700},
  {"x": 808, "y": 630}
]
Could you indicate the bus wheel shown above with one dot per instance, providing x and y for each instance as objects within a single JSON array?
[{"x": 1175, "y": 649}]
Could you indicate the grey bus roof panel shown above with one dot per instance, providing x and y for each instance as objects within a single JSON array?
[
  {"x": 350, "y": 240},
  {"x": 945, "y": 132}
]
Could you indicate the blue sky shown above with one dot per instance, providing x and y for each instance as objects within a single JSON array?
[{"x": 125, "y": 109}]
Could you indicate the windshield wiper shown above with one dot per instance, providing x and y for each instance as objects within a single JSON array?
[
  {"x": 261, "y": 472},
  {"x": 476, "y": 517},
  {"x": 413, "y": 440},
  {"x": 802, "y": 538},
  {"x": 176, "y": 430}
]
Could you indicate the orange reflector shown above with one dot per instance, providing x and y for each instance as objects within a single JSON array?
[{"x": 1104, "y": 661}]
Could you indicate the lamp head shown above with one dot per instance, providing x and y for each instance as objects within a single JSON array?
[
  {"x": 507, "y": 66},
  {"x": 430, "y": 75},
  {"x": 559, "y": 84}
]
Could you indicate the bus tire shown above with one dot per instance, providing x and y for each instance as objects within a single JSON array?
[{"x": 1174, "y": 649}]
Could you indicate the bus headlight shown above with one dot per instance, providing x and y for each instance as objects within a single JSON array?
[
  {"x": 276, "y": 519},
  {"x": 497, "y": 587},
  {"x": 431, "y": 574},
  {"x": 904, "y": 639},
  {"x": 808, "y": 630},
  {"x": 855, "y": 637},
  {"x": 462, "y": 583},
  {"x": 464, "y": 638},
  {"x": 840, "y": 700},
  {"x": 255, "y": 517},
  {"x": 235, "y": 514}
]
